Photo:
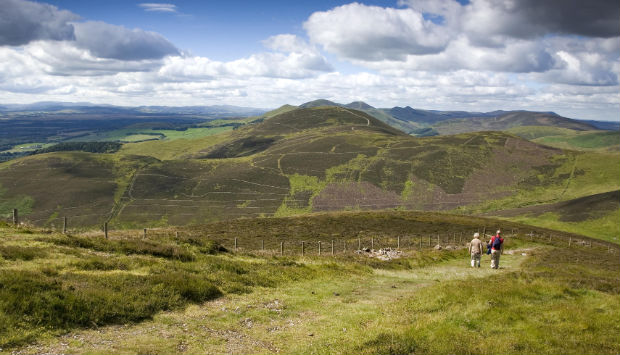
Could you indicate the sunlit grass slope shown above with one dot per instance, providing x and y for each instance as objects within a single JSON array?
[{"x": 184, "y": 293}]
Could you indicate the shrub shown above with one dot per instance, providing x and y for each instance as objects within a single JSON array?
[
  {"x": 101, "y": 263},
  {"x": 16, "y": 252},
  {"x": 34, "y": 300},
  {"x": 125, "y": 246}
]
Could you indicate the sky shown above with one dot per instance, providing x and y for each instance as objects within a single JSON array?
[{"x": 473, "y": 55}]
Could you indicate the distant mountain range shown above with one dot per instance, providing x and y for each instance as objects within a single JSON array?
[
  {"x": 410, "y": 120},
  {"x": 219, "y": 111},
  {"x": 434, "y": 122}
]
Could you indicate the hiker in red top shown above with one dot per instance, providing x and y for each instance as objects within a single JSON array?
[{"x": 497, "y": 248}]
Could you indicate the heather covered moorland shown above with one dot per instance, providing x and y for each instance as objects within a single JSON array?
[{"x": 306, "y": 177}]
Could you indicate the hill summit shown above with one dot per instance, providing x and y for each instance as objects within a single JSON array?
[{"x": 423, "y": 122}]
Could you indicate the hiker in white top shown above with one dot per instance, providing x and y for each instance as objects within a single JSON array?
[{"x": 475, "y": 249}]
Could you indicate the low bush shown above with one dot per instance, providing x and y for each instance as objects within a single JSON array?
[
  {"x": 33, "y": 300},
  {"x": 101, "y": 263},
  {"x": 16, "y": 252},
  {"x": 125, "y": 246}
]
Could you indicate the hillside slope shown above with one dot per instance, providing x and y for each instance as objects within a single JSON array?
[
  {"x": 422, "y": 122},
  {"x": 509, "y": 120},
  {"x": 299, "y": 161},
  {"x": 596, "y": 216}
]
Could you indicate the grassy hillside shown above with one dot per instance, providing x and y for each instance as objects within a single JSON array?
[
  {"x": 534, "y": 132},
  {"x": 596, "y": 216},
  {"x": 299, "y": 161},
  {"x": 570, "y": 139},
  {"x": 508, "y": 120},
  {"x": 603, "y": 140},
  {"x": 185, "y": 293}
]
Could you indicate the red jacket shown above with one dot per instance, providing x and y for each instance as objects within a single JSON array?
[{"x": 501, "y": 241}]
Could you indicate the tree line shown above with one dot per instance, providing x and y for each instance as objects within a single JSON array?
[{"x": 91, "y": 147}]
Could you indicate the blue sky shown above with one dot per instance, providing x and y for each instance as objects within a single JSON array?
[
  {"x": 477, "y": 55},
  {"x": 220, "y": 30}
]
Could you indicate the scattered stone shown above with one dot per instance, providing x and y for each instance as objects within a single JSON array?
[
  {"x": 336, "y": 294},
  {"x": 437, "y": 247},
  {"x": 247, "y": 323},
  {"x": 382, "y": 254},
  {"x": 310, "y": 334},
  {"x": 275, "y": 306}
]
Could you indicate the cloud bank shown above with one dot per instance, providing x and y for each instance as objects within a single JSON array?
[{"x": 558, "y": 55}]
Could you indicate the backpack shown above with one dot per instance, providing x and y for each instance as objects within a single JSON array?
[{"x": 497, "y": 243}]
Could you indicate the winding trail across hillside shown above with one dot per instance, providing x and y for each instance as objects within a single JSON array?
[{"x": 297, "y": 318}]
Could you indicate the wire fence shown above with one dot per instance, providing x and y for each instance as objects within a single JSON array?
[{"x": 309, "y": 244}]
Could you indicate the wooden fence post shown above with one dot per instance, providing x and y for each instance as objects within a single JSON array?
[
  {"x": 332, "y": 247},
  {"x": 359, "y": 243},
  {"x": 319, "y": 247},
  {"x": 144, "y": 234},
  {"x": 344, "y": 246},
  {"x": 570, "y": 239},
  {"x": 235, "y": 244},
  {"x": 372, "y": 243},
  {"x": 420, "y": 242},
  {"x": 105, "y": 229},
  {"x": 281, "y": 248},
  {"x": 398, "y": 242},
  {"x": 176, "y": 234},
  {"x": 262, "y": 244},
  {"x": 303, "y": 248},
  {"x": 15, "y": 217},
  {"x": 64, "y": 225}
]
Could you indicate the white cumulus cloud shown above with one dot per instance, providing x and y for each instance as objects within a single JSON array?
[
  {"x": 158, "y": 7},
  {"x": 372, "y": 33}
]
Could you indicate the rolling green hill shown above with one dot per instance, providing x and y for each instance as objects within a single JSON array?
[
  {"x": 596, "y": 215},
  {"x": 508, "y": 120},
  {"x": 590, "y": 140},
  {"x": 570, "y": 139},
  {"x": 295, "y": 162},
  {"x": 421, "y": 122}
]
